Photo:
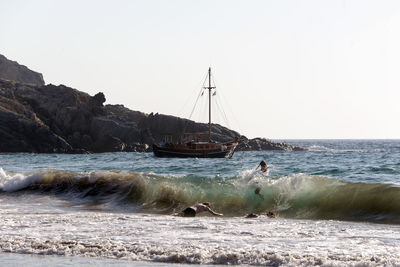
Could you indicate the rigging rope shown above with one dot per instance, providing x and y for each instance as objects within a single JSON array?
[
  {"x": 221, "y": 110},
  {"x": 200, "y": 94},
  {"x": 230, "y": 109},
  {"x": 189, "y": 97},
  {"x": 219, "y": 98},
  {"x": 197, "y": 99}
]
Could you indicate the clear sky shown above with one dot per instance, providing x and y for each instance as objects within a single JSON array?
[{"x": 286, "y": 69}]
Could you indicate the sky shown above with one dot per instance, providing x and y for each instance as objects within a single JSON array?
[{"x": 284, "y": 69}]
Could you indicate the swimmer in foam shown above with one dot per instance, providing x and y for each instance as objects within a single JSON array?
[
  {"x": 197, "y": 208},
  {"x": 263, "y": 166}
]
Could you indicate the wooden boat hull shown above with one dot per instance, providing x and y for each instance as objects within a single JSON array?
[{"x": 168, "y": 152}]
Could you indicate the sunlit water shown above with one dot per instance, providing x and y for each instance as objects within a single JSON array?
[{"x": 336, "y": 204}]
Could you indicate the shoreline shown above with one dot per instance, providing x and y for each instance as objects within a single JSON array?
[
  {"x": 35, "y": 260},
  {"x": 202, "y": 241}
]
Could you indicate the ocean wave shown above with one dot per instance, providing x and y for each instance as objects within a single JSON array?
[
  {"x": 388, "y": 170},
  {"x": 299, "y": 196}
]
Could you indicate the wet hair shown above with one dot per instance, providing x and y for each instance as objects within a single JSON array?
[{"x": 206, "y": 203}]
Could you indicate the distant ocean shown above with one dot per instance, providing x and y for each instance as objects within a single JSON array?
[{"x": 338, "y": 203}]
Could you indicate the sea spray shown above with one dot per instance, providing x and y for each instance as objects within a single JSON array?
[
  {"x": 299, "y": 196},
  {"x": 10, "y": 182},
  {"x": 118, "y": 205}
]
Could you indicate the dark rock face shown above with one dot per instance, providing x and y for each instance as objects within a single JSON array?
[
  {"x": 259, "y": 144},
  {"x": 58, "y": 119},
  {"x": 11, "y": 70},
  {"x": 21, "y": 130}
]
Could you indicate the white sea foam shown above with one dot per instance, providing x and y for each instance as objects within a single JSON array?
[
  {"x": 10, "y": 182},
  {"x": 200, "y": 240},
  {"x": 252, "y": 175}
]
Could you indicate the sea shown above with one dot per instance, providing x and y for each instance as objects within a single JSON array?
[{"x": 335, "y": 204}]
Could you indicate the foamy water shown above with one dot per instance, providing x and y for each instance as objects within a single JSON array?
[
  {"x": 201, "y": 240},
  {"x": 339, "y": 205}
]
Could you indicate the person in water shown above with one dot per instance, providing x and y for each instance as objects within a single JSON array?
[
  {"x": 263, "y": 166},
  {"x": 197, "y": 208},
  {"x": 257, "y": 192}
]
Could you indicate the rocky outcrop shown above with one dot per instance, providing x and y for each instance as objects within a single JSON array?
[
  {"x": 46, "y": 119},
  {"x": 12, "y": 71},
  {"x": 259, "y": 144},
  {"x": 160, "y": 125},
  {"x": 21, "y": 130},
  {"x": 59, "y": 119},
  {"x": 51, "y": 118}
]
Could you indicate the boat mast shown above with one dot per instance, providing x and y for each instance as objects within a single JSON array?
[{"x": 209, "y": 103}]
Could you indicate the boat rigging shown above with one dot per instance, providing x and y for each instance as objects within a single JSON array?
[{"x": 194, "y": 147}]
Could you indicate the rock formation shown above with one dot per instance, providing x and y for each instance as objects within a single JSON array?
[
  {"x": 11, "y": 70},
  {"x": 58, "y": 119},
  {"x": 21, "y": 130}
]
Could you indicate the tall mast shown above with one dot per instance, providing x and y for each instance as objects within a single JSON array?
[{"x": 209, "y": 104}]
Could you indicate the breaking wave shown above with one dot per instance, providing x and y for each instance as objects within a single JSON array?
[{"x": 299, "y": 196}]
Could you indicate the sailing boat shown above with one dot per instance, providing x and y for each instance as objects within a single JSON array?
[{"x": 193, "y": 148}]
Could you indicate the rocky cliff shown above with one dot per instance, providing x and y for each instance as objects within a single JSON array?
[
  {"x": 11, "y": 70},
  {"x": 59, "y": 119}
]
